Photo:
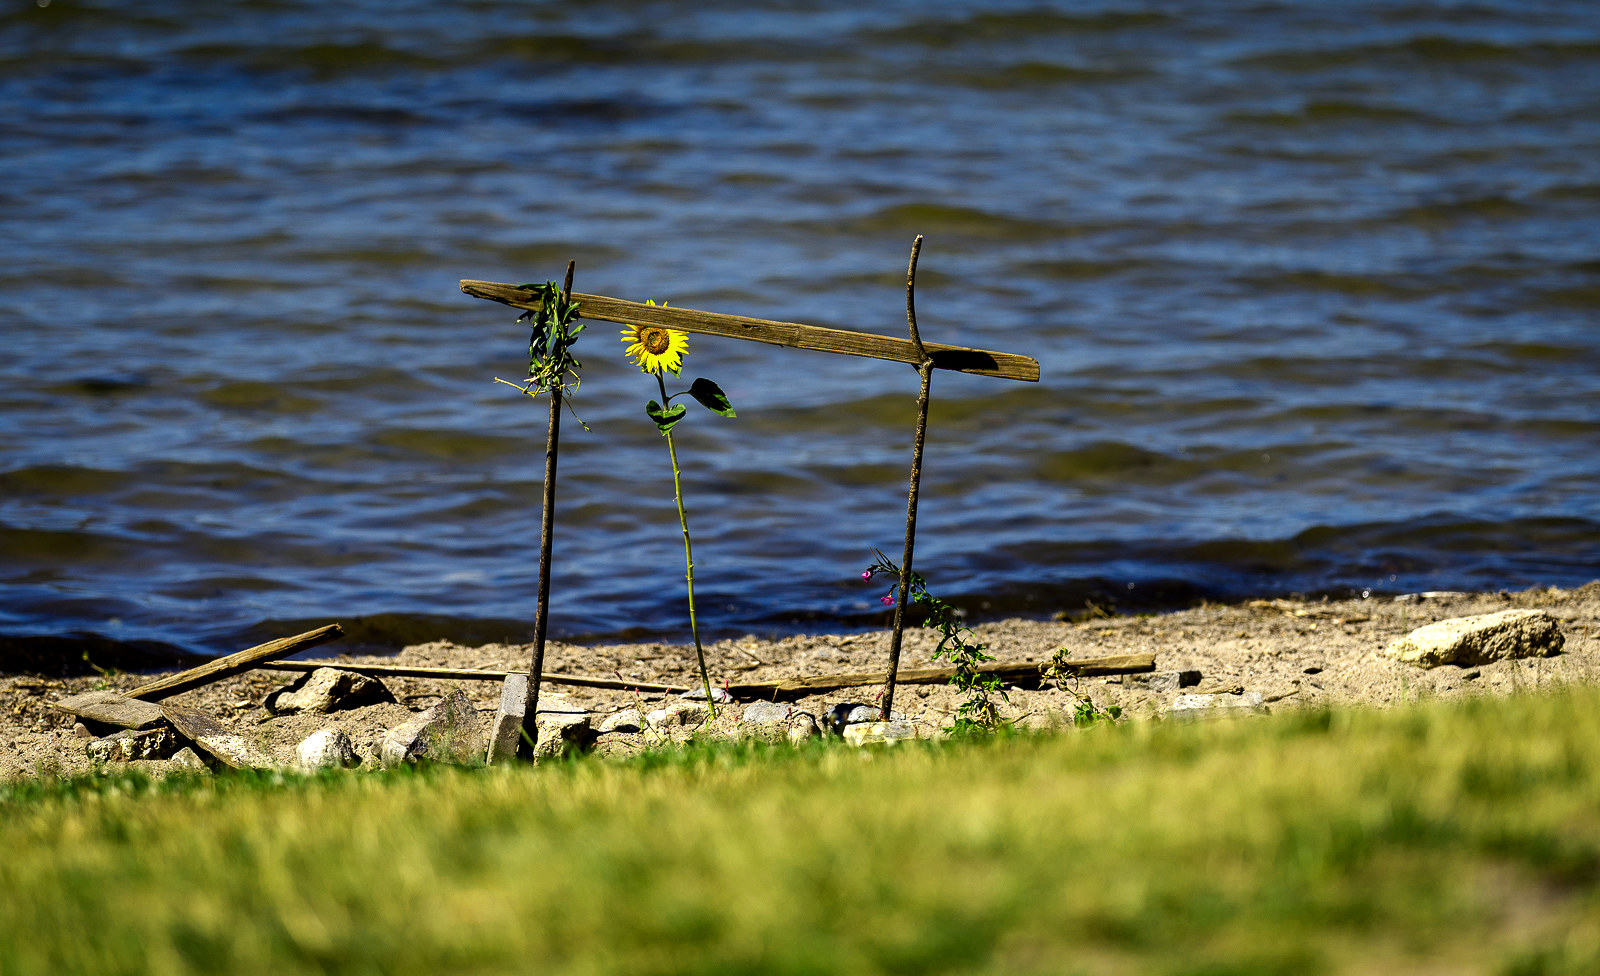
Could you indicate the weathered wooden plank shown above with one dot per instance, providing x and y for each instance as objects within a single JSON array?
[
  {"x": 961, "y": 359},
  {"x": 211, "y": 735},
  {"x": 471, "y": 674},
  {"x": 1021, "y": 671},
  {"x": 111, "y": 708},
  {"x": 224, "y": 667}
]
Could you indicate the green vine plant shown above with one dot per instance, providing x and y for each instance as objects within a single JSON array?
[
  {"x": 551, "y": 365},
  {"x": 1084, "y": 711},
  {"x": 979, "y": 711},
  {"x": 660, "y": 351}
]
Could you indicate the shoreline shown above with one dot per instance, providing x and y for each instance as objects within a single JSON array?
[{"x": 1293, "y": 654}]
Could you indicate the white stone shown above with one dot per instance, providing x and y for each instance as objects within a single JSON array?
[
  {"x": 698, "y": 693},
  {"x": 327, "y": 749},
  {"x": 1483, "y": 639},
  {"x": 803, "y": 728},
  {"x": 878, "y": 733},
  {"x": 765, "y": 712},
  {"x": 1197, "y": 706},
  {"x": 678, "y": 713},
  {"x": 560, "y": 731},
  {"x": 327, "y": 690},
  {"x": 778, "y": 722},
  {"x": 505, "y": 732},
  {"x": 187, "y": 759},
  {"x": 869, "y": 713},
  {"x": 628, "y": 720}
]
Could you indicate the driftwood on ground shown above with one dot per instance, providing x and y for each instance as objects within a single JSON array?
[
  {"x": 1018, "y": 673},
  {"x": 224, "y": 667},
  {"x": 122, "y": 709},
  {"x": 110, "y": 708},
  {"x": 471, "y": 674}
]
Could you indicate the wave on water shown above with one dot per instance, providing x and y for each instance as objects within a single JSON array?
[{"x": 1311, "y": 288}]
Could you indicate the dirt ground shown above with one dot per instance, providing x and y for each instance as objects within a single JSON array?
[{"x": 1295, "y": 654}]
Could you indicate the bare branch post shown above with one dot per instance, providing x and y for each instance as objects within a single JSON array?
[
  {"x": 925, "y": 372},
  {"x": 541, "y": 620}
]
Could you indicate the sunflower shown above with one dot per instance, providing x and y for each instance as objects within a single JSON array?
[{"x": 655, "y": 348}]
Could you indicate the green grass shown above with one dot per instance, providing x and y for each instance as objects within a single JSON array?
[{"x": 1434, "y": 838}]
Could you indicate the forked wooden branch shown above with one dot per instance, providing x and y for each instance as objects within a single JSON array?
[
  {"x": 925, "y": 375},
  {"x": 961, "y": 359}
]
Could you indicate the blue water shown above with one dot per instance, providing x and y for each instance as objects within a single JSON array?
[{"x": 1314, "y": 290}]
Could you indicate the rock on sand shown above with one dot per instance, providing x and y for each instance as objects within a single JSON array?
[{"x": 1484, "y": 639}]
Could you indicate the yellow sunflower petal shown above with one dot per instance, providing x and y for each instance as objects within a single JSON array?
[{"x": 655, "y": 348}]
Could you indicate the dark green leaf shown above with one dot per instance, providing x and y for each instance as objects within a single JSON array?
[
  {"x": 711, "y": 397},
  {"x": 665, "y": 419}
]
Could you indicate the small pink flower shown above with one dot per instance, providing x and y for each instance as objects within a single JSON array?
[
  {"x": 886, "y": 600},
  {"x": 867, "y": 574}
]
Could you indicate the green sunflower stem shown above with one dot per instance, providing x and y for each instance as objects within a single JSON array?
[{"x": 688, "y": 556}]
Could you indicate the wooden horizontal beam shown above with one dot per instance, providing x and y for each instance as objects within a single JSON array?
[{"x": 981, "y": 362}]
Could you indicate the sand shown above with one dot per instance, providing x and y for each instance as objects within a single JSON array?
[{"x": 1295, "y": 654}]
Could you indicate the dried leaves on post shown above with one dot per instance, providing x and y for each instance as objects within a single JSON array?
[{"x": 555, "y": 327}]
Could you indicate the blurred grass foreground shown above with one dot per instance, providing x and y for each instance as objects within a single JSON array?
[{"x": 1461, "y": 838}]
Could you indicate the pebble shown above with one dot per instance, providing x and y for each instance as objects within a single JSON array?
[
  {"x": 779, "y": 722},
  {"x": 187, "y": 759},
  {"x": 765, "y": 712},
  {"x": 803, "y": 728},
  {"x": 327, "y": 690},
  {"x": 1205, "y": 706},
  {"x": 678, "y": 713},
  {"x": 560, "y": 732},
  {"x": 327, "y": 749},
  {"x": 870, "y": 713},
  {"x": 627, "y": 720},
  {"x": 1481, "y": 639},
  {"x": 879, "y": 733}
]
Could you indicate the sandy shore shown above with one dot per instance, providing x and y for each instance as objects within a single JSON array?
[{"x": 1294, "y": 654}]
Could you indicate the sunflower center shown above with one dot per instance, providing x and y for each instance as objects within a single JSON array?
[{"x": 655, "y": 341}]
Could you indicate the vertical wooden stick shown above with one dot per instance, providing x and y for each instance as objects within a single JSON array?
[
  {"x": 541, "y": 621},
  {"x": 925, "y": 372}
]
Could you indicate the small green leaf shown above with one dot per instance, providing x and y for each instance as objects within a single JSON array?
[
  {"x": 665, "y": 419},
  {"x": 711, "y": 397}
]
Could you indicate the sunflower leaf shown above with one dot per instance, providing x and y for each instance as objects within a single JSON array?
[
  {"x": 665, "y": 419},
  {"x": 711, "y": 397}
]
